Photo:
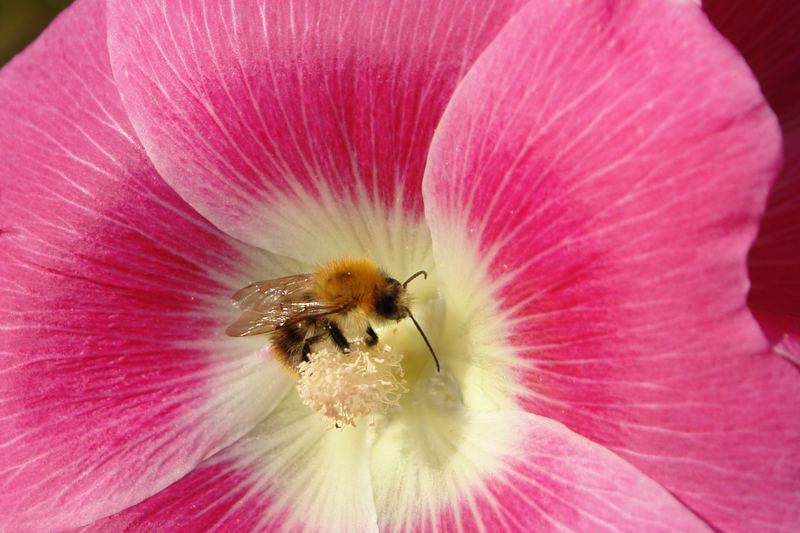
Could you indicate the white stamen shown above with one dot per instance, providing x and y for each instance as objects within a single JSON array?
[{"x": 346, "y": 386}]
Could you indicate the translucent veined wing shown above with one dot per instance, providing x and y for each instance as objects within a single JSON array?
[
  {"x": 272, "y": 304},
  {"x": 264, "y": 294},
  {"x": 282, "y": 314}
]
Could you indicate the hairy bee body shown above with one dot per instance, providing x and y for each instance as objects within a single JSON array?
[
  {"x": 352, "y": 283},
  {"x": 288, "y": 343},
  {"x": 334, "y": 304}
]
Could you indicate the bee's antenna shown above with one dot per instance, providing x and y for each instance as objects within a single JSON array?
[
  {"x": 414, "y": 320},
  {"x": 409, "y": 280}
]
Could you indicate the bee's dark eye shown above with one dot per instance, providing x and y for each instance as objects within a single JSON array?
[{"x": 386, "y": 306}]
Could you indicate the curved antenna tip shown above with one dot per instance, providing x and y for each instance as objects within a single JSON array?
[{"x": 415, "y": 275}]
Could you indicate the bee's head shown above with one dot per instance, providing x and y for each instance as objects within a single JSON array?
[
  {"x": 392, "y": 300},
  {"x": 393, "y": 304}
]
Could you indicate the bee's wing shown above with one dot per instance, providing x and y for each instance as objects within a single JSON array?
[
  {"x": 271, "y": 304},
  {"x": 267, "y": 293},
  {"x": 251, "y": 323},
  {"x": 280, "y": 314}
]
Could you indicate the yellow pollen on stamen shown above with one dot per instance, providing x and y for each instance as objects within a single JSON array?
[{"x": 343, "y": 386}]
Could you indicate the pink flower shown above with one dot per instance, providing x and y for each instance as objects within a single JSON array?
[{"x": 583, "y": 181}]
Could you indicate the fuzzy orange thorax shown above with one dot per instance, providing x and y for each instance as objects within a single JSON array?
[{"x": 350, "y": 282}]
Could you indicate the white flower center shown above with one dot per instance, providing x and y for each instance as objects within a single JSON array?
[
  {"x": 344, "y": 386},
  {"x": 454, "y": 306}
]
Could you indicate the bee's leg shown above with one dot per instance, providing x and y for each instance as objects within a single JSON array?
[
  {"x": 337, "y": 336},
  {"x": 306, "y": 349},
  {"x": 372, "y": 337},
  {"x": 307, "y": 345}
]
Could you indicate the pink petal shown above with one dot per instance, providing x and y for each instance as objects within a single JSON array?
[
  {"x": 452, "y": 470},
  {"x": 293, "y": 473},
  {"x": 285, "y": 477},
  {"x": 559, "y": 481},
  {"x": 249, "y": 107},
  {"x": 604, "y": 165},
  {"x": 117, "y": 378},
  {"x": 218, "y": 493}
]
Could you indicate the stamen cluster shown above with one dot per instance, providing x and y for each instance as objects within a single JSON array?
[{"x": 343, "y": 386}]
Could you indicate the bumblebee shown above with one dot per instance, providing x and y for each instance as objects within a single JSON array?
[{"x": 343, "y": 297}]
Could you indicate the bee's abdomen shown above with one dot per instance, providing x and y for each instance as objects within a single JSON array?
[{"x": 287, "y": 343}]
